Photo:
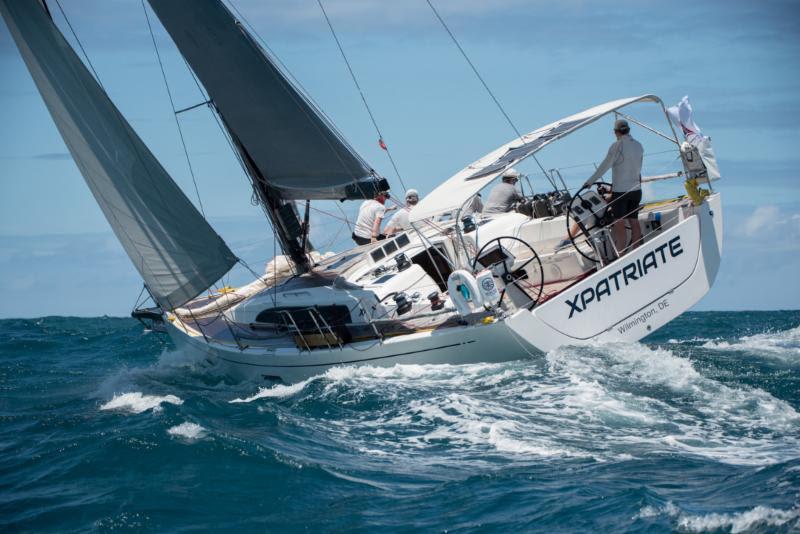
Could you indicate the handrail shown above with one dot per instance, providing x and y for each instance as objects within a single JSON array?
[
  {"x": 333, "y": 334},
  {"x": 297, "y": 329}
]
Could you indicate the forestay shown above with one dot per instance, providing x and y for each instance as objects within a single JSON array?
[
  {"x": 454, "y": 192},
  {"x": 295, "y": 149},
  {"x": 172, "y": 246}
]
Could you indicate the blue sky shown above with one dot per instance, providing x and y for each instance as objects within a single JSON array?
[{"x": 738, "y": 61}]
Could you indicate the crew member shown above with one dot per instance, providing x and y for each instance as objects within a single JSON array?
[
  {"x": 370, "y": 217},
  {"x": 505, "y": 194},
  {"x": 399, "y": 222},
  {"x": 624, "y": 158}
]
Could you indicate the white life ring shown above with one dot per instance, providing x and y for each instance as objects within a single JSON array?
[{"x": 464, "y": 292}]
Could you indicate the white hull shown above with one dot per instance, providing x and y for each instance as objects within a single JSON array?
[
  {"x": 677, "y": 280},
  {"x": 641, "y": 306},
  {"x": 490, "y": 343}
]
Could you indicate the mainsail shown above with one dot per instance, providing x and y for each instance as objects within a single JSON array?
[
  {"x": 172, "y": 246},
  {"x": 294, "y": 149}
]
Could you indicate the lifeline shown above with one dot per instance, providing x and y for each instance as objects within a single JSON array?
[{"x": 634, "y": 270}]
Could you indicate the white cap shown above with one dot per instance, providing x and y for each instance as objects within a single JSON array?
[
  {"x": 511, "y": 173},
  {"x": 412, "y": 193}
]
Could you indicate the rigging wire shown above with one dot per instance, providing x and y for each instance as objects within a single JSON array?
[
  {"x": 346, "y": 218},
  {"x": 225, "y": 280},
  {"x": 80, "y": 45},
  {"x": 381, "y": 140},
  {"x": 208, "y": 101},
  {"x": 483, "y": 82},
  {"x": 128, "y": 133},
  {"x": 174, "y": 114},
  {"x": 301, "y": 90}
]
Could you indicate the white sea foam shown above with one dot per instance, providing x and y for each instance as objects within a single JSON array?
[
  {"x": 661, "y": 400},
  {"x": 735, "y": 522},
  {"x": 642, "y": 401},
  {"x": 428, "y": 373},
  {"x": 190, "y": 431},
  {"x": 739, "y": 522},
  {"x": 785, "y": 344},
  {"x": 136, "y": 402},
  {"x": 690, "y": 341},
  {"x": 276, "y": 391}
]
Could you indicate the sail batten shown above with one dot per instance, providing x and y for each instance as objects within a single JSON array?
[
  {"x": 173, "y": 247},
  {"x": 293, "y": 146}
]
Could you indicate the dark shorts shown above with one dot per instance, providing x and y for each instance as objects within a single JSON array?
[
  {"x": 626, "y": 205},
  {"x": 365, "y": 240},
  {"x": 360, "y": 240}
]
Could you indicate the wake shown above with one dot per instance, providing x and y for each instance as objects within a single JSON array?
[{"x": 605, "y": 402}]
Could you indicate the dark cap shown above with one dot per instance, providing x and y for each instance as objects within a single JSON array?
[{"x": 622, "y": 126}]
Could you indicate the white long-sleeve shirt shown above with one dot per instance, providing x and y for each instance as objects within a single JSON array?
[
  {"x": 400, "y": 220},
  {"x": 501, "y": 198},
  {"x": 624, "y": 158}
]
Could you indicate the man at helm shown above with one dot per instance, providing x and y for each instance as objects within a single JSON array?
[
  {"x": 624, "y": 158},
  {"x": 399, "y": 222},
  {"x": 505, "y": 194}
]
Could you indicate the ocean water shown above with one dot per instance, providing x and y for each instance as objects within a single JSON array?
[{"x": 105, "y": 427}]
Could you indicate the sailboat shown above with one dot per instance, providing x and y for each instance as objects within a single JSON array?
[{"x": 456, "y": 288}]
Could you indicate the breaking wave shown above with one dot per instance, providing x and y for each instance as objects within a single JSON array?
[
  {"x": 693, "y": 431},
  {"x": 783, "y": 344},
  {"x": 190, "y": 431},
  {"x": 643, "y": 401},
  {"x": 759, "y": 516},
  {"x": 277, "y": 391},
  {"x": 137, "y": 402}
]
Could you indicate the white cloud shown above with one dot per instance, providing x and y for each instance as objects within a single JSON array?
[{"x": 760, "y": 219}]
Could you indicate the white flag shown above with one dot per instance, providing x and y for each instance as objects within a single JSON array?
[{"x": 681, "y": 115}]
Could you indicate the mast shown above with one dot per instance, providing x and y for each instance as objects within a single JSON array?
[{"x": 282, "y": 214}]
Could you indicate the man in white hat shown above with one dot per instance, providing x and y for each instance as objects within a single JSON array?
[
  {"x": 399, "y": 222},
  {"x": 505, "y": 194}
]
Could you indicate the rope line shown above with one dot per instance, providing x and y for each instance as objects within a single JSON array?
[
  {"x": 483, "y": 82},
  {"x": 80, "y": 45},
  {"x": 346, "y": 218},
  {"x": 383, "y": 145},
  {"x": 174, "y": 113}
]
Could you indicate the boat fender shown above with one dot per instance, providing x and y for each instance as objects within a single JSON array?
[
  {"x": 697, "y": 194},
  {"x": 488, "y": 288},
  {"x": 464, "y": 291}
]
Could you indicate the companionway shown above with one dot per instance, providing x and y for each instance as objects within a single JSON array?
[{"x": 634, "y": 270}]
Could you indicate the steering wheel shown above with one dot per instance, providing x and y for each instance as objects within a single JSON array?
[
  {"x": 585, "y": 231},
  {"x": 508, "y": 276}
]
